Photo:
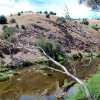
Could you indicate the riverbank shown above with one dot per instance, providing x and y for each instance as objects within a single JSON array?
[{"x": 93, "y": 85}]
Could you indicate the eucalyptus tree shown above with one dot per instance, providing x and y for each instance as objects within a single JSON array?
[{"x": 93, "y": 4}]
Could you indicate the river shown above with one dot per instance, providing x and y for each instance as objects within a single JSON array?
[{"x": 28, "y": 85}]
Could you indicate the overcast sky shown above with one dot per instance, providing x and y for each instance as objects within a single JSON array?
[{"x": 75, "y": 10}]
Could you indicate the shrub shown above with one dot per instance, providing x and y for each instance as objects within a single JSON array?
[
  {"x": 34, "y": 25},
  {"x": 4, "y": 27},
  {"x": 42, "y": 32},
  {"x": 52, "y": 49},
  {"x": 8, "y": 32},
  {"x": 23, "y": 26},
  {"x": 51, "y": 12},
  {"x": 3, "y": 19},
  {"x": 10, "y": 15},
  {"x": 54, "y": 13},
  {"x": 40, "y": 12},
  {"x": 46, "y": 12},
  {"x": 48, "y": 15},
  {"x": 95, "y": 27},
  {"x": 61, "y": 20},
  {"x": 93, "y": 84},
  {"x": 85, "y": 21},
  {"x": 12, "y": 20},
  {"x": 21, "y": 11},
  {"x": 18, "y": 13},
  {"x": 17, "y": 26}
]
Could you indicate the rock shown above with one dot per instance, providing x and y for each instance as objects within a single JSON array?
[
  {"x": 19, "y": 79},
  {"x": 10, "y": 75}
]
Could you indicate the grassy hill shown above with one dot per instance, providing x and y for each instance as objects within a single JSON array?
[{"x": 40, "y": 27}]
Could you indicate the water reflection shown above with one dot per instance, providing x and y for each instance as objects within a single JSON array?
[{"x": 30, "y": 85}]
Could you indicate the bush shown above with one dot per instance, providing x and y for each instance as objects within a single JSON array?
[
  {"x": 85, "y": 21},
  {"x": 54, "y": 13},
  {"x": 46, "y": 12},
  {"x": 4, "y": 27},
  {"x": 93, "y": 84},
  {"x": 8, "y": 32},
  {"x": 18, "y": 13},
  {"x": 51, "y": 12},
  {"x": 23, "y": 26},
  {"x": 17, "y": 26},
  {"x": 34, "y": 25},
  {"x": 40, "y": 12},
  {"x": 61, "y": 20},
  {"x": 12, "y": 20},
  {"x": 95, "y": 27},
  {"x": 21, "y": 11},
  {"x": 52, "y": 49},
  {"x": 10, "y": 15},
  {"x": 3, "y": 19},
  {"x": 48, "y": 15}
]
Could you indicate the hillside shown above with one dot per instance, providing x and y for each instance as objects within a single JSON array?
[{"x": 47, "y": 28}]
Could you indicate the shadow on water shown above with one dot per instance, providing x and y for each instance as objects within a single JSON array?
[{"x": 29, "y": 85}]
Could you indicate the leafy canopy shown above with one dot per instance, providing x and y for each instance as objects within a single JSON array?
[{"x": 93, "y": 4}]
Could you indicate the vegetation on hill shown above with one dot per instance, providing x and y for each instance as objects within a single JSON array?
[
  {"x": 54, "y": 50},
  {"x": 3, "y": 19}
]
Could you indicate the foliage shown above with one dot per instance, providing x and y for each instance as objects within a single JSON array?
[
  {"x": 46, "y": 12},
  {"x": 51, "y": 12},
  {"x": 8, "y": 32},
  {"x": 4, "y": 27},
  {"x": 93, "y": 4},
  {"x": 93, "y": 85},
  {"x": 3, "y": 19},
  {"x": 23, "y": 26},
  {"x": 12, "y": 20},
  {"x": 40, "y": 12},
  {"x": 48, "y": 15},
  {"x": 3, "y": 78},
  {"x": 39, "y": 60},
  {"x": 10, "y": 15},
  {"x": 42, "y": 32},
  {"x": 18, "y": 13},
  {"x": 60, "y": 58},
  {"x": 17, "y": 26},
  {"x": 99, "y": 67},
  {"x": 85, "y": 21},
  {"x": 52, "y": 49},
  {"x": 54, "y": 13},
  {"x": 95, "y": 27},
  {"x": 34, "y": 25},
  {"x": 61, "y": 20},
  {"x": 21, "y": 11},
  {"x": 1, "y": 54}
]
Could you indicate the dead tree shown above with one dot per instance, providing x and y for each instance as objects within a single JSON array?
[{"x": 33, "y": 49}]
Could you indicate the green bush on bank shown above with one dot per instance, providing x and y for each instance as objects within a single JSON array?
[{"x": 54, "y": 50}]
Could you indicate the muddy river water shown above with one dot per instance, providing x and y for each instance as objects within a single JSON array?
[{"x": 30, "y": 84}]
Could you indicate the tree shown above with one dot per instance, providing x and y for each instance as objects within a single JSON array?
[
  {"x": 93, "y": 4},
  {"x": 3, "y": 19},
  {"x": 85, "y": 21}
]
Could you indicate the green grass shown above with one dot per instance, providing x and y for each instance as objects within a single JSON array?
[
  {"x": 3, "y": 78},
  {"x": 11, "y": 72}
]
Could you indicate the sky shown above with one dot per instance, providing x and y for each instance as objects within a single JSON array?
[{"x": 8, "y": 7}]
